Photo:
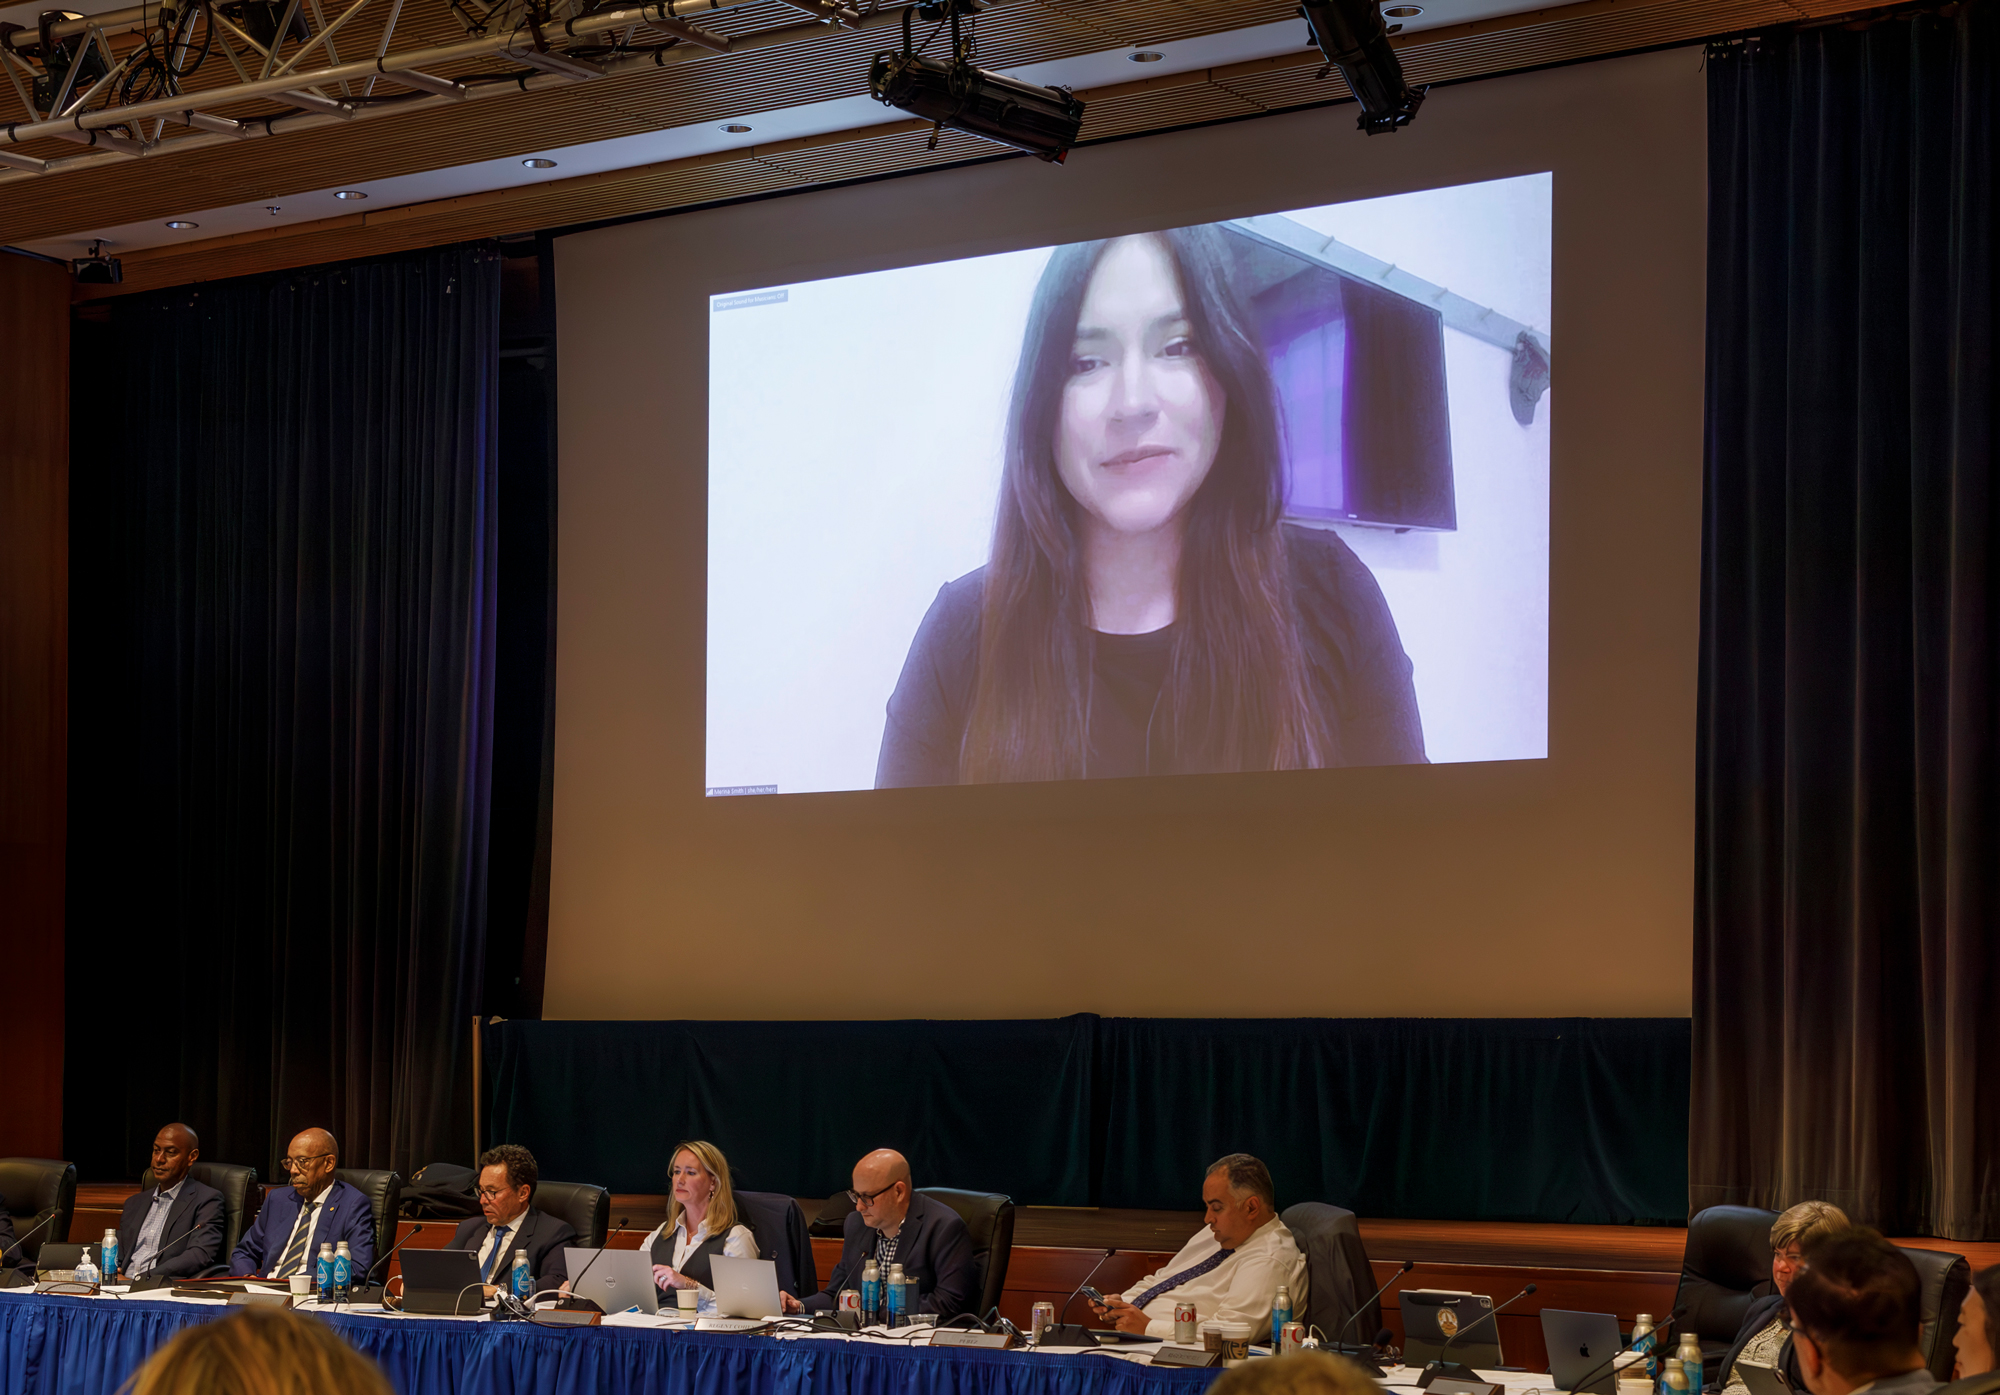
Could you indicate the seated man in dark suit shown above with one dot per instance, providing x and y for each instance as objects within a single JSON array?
[
  {"x": 1857, "y": 1312},
  {"x": 315, "y": 1210},
  {"x": 891, "y": 1224},
  {"x": 1765, "y": 1339},
  {"x": 14, "y": 1263},
  {"x": 507, "y": 1177},
  {"x": 172, "y": 1230}
]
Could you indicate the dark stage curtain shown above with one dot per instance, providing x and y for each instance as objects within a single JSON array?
[
  {"x": 1570, "y": 1119},
  {"x": 284, "y": 548},
  {"x": 1848, "y": 888}
]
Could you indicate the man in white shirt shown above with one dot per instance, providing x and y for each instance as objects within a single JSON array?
[{"x": 1230, "y": 1270}]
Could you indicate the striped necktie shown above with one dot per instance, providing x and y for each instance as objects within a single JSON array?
[
  {"x": 1192, "y": 1272},
  {"x": 493, "y": 1256},
  {"x": 294, "y": 1261}
]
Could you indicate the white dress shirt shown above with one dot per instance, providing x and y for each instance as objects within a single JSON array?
[
  {"x": 739, "y": 1244},
  {"x": 1240, "y": 1289},
  {"x": 492, "y": 1233}
]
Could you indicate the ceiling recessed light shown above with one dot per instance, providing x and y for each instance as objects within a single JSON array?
[
  {"x": 1145, "y": 56},
  {"x": 538, "y": 163},
  {"x": 349, "y": 194},
  {"x": 737, "y": 128},
  {"x": 181, "y": 224},
  {"x": 1403, "y": 11}
]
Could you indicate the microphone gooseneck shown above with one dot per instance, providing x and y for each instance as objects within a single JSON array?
[
  {"x": 415, "y": 1230},
  {"x": 22, "y": 1239},
  {"x": 593, "y": 1259},
  {"x": 1486, "y": 1316},
  {"x": 1355, "y": 1316},
  {"x": 1084, "y": 1285}
]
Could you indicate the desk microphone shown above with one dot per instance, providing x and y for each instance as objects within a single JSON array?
[
  {"x": 360, "y": 1290},
  {"x": 1675, "y": 1316},
  {"x": 1438, "y": 1366},
  {"x": 1368, "y": 1361},
  {"x": 1061, "y": 1334},
  {"x": 23, "y": 1238},
  {"x": 154, "y": 1278},
  {"x": 570, "y": 1302}
]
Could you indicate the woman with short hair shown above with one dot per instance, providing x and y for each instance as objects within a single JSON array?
[{"x": 1765, "y": 1339}]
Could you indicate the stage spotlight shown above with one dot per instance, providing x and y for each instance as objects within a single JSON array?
[
  {"x": 1352, "y": 36},
  {"x": 1043, "y": 121},
  {"x": 97, "y": 269}
]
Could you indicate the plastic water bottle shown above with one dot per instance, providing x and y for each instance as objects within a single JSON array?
[
  {"x": 1281, "y": 1313},
  {"x": 323, "y": 1273},
  {"x": 871, "y": 1293},
  {"x": 524, "y": 1282},
  {"x": 343, "y": 1272},
  {"x": 108, "y": 1250},
  {"x": 898, "y": 1292},
  {"x": 1689, "y": 1356},
  {"x": 1642, "y": 1341}
]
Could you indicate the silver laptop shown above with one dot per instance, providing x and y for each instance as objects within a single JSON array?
[
  {"x": 615, "y": 1280},
  {"x": 745, "y": 1288},
  {"x": 1581, "y": 1347}
]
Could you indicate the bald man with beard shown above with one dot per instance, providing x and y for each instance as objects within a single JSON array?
[
  {"x": 891, "y": 1224},
  {"x": 315, "y": 1210}
]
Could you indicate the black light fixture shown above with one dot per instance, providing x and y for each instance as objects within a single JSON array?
[
  {"x": 97, "y": 269},
  {"x": 1352, "y": 36},
  {"x": 1043, "y": 121}
]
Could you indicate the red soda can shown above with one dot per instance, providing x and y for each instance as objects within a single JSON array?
[
  {"x": 1185, "y": 1331},
  {"x": 1294, "y": 1336}
]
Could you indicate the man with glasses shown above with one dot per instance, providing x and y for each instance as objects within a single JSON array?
[
  {"x": 172, "y": 1229},
  {"x": 315, "y": 1210},
  {"x": 891, "y": 1224},
  {"x": 1857, "y": 1314},
  {"x": 507, "y": 1177},
  {"x": 1764, "y": 1339}
]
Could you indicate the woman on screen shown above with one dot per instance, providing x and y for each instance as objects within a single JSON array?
[{"x": 1143, "y": 611}]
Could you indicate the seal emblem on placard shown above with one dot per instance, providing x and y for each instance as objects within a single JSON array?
[{"x": 1448, "y": 1322}]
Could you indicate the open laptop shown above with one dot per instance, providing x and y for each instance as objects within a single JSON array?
[
  {"x": 746, "y": 1291},
  {"x": 1433, "y": 1317},
  {"x": 1581, "y": 1345},
  {"x": 615, "y": 1280},
  {"x": 442, "y": 1281}
]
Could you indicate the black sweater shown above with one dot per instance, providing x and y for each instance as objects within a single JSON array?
[{"x": 1359, "y": 673}]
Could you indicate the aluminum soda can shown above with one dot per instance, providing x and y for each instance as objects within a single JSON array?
[
  {"x": 1041, "y": 1318},
  {"x": 1185, "y": 1318},
  {"x": 1294, "y": 1336},
  {"x": 850, "y": 1301}
]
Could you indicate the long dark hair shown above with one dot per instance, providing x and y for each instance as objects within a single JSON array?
[{"x": 1236, "y": 695}]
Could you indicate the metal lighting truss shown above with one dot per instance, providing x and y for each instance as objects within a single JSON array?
[{"x": 550, "y": 41}]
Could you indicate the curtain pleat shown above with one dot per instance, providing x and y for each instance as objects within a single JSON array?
[
  {"x": 1848, "y": 776},
  {"x": 285, "y": 596}
]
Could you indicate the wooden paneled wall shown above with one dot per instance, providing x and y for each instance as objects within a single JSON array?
[{"x": 34, "y": 694}]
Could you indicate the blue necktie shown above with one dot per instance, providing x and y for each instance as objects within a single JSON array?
[
  {"x": 493, "y": 1255},
  {"x": 1194, "y": 1272}
]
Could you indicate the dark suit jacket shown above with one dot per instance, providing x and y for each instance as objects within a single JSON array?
[
  {"x": 933, "y": 1248},
  {"x": 346, "y": 1216},
  {"x": 11, "y": 1258},
  {"x": 541, "y": 1235},
  {"x": 1756, "y": 1318},
  {"x": 196, "y": 1212}
]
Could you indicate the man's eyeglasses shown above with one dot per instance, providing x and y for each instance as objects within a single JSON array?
[
  {"x": 862, "y": 1198},
  {"x": 493, "y": 1193},
  {"x": 294, "y": 1165}
]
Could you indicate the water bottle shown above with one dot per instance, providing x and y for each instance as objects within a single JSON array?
[
  {"x": 343, "y": 1272},
  {"x": 323, "y": 1273},
  {"x": 1642, "y": 1341},
  {"x": 108, "y": 1250},
  {"x": 871, "y": 1293},
  {"x": 1281, "y": 1313},
  {"x": 1676, "y": 1381},
  {"x": 899, "y": 1296},
  {"x": 524, "y": 1282},
  {"x": 1689, "y": 1356}
]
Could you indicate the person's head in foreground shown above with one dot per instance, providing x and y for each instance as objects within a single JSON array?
[
  {"x": 259, "y": 1351},
  {"x": 1978, "y": 1335},
  {"x": 1237, "y": 1198},
  {"x": 1796, "y": 1231},
  {"x": 1143, "y": 485},
  {"x": 1300, "y": 1373},
  {"x": 1856, "y": 1314}
]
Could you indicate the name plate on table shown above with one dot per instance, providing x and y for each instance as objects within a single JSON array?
[
  {"x": 1452, "y": 1385},
  {"x": 257, "y": 1298},
  {"x": 1186, "y": 1356},
  {"x": 960, "y": 1337},
  {"x": 568, "y": 1317}
]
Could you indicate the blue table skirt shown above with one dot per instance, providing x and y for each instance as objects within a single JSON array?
[{"x": 52, "y": 1345}]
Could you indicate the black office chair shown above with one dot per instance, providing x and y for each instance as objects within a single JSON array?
[
  {"x": 384, "y": 1191},
  {"x": 780, "y": 1228},
  {"x": 989, "y": 1217},
  {"x": 242, "y": 1199},
  {"x": 587, "y": 1208},
  {"x": 33, "y": 1190},
  {"x": 1724, "y": 1268},
  {"x": 1338, "y": 1276},
  {"x": 831, "y": 1222},
  {"x": 1945, "y": 1279}
]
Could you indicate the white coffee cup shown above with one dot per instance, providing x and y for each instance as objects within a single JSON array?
[
  {"x": 302, "y": 1285},
  {"x": 688, "y": 1298}
]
